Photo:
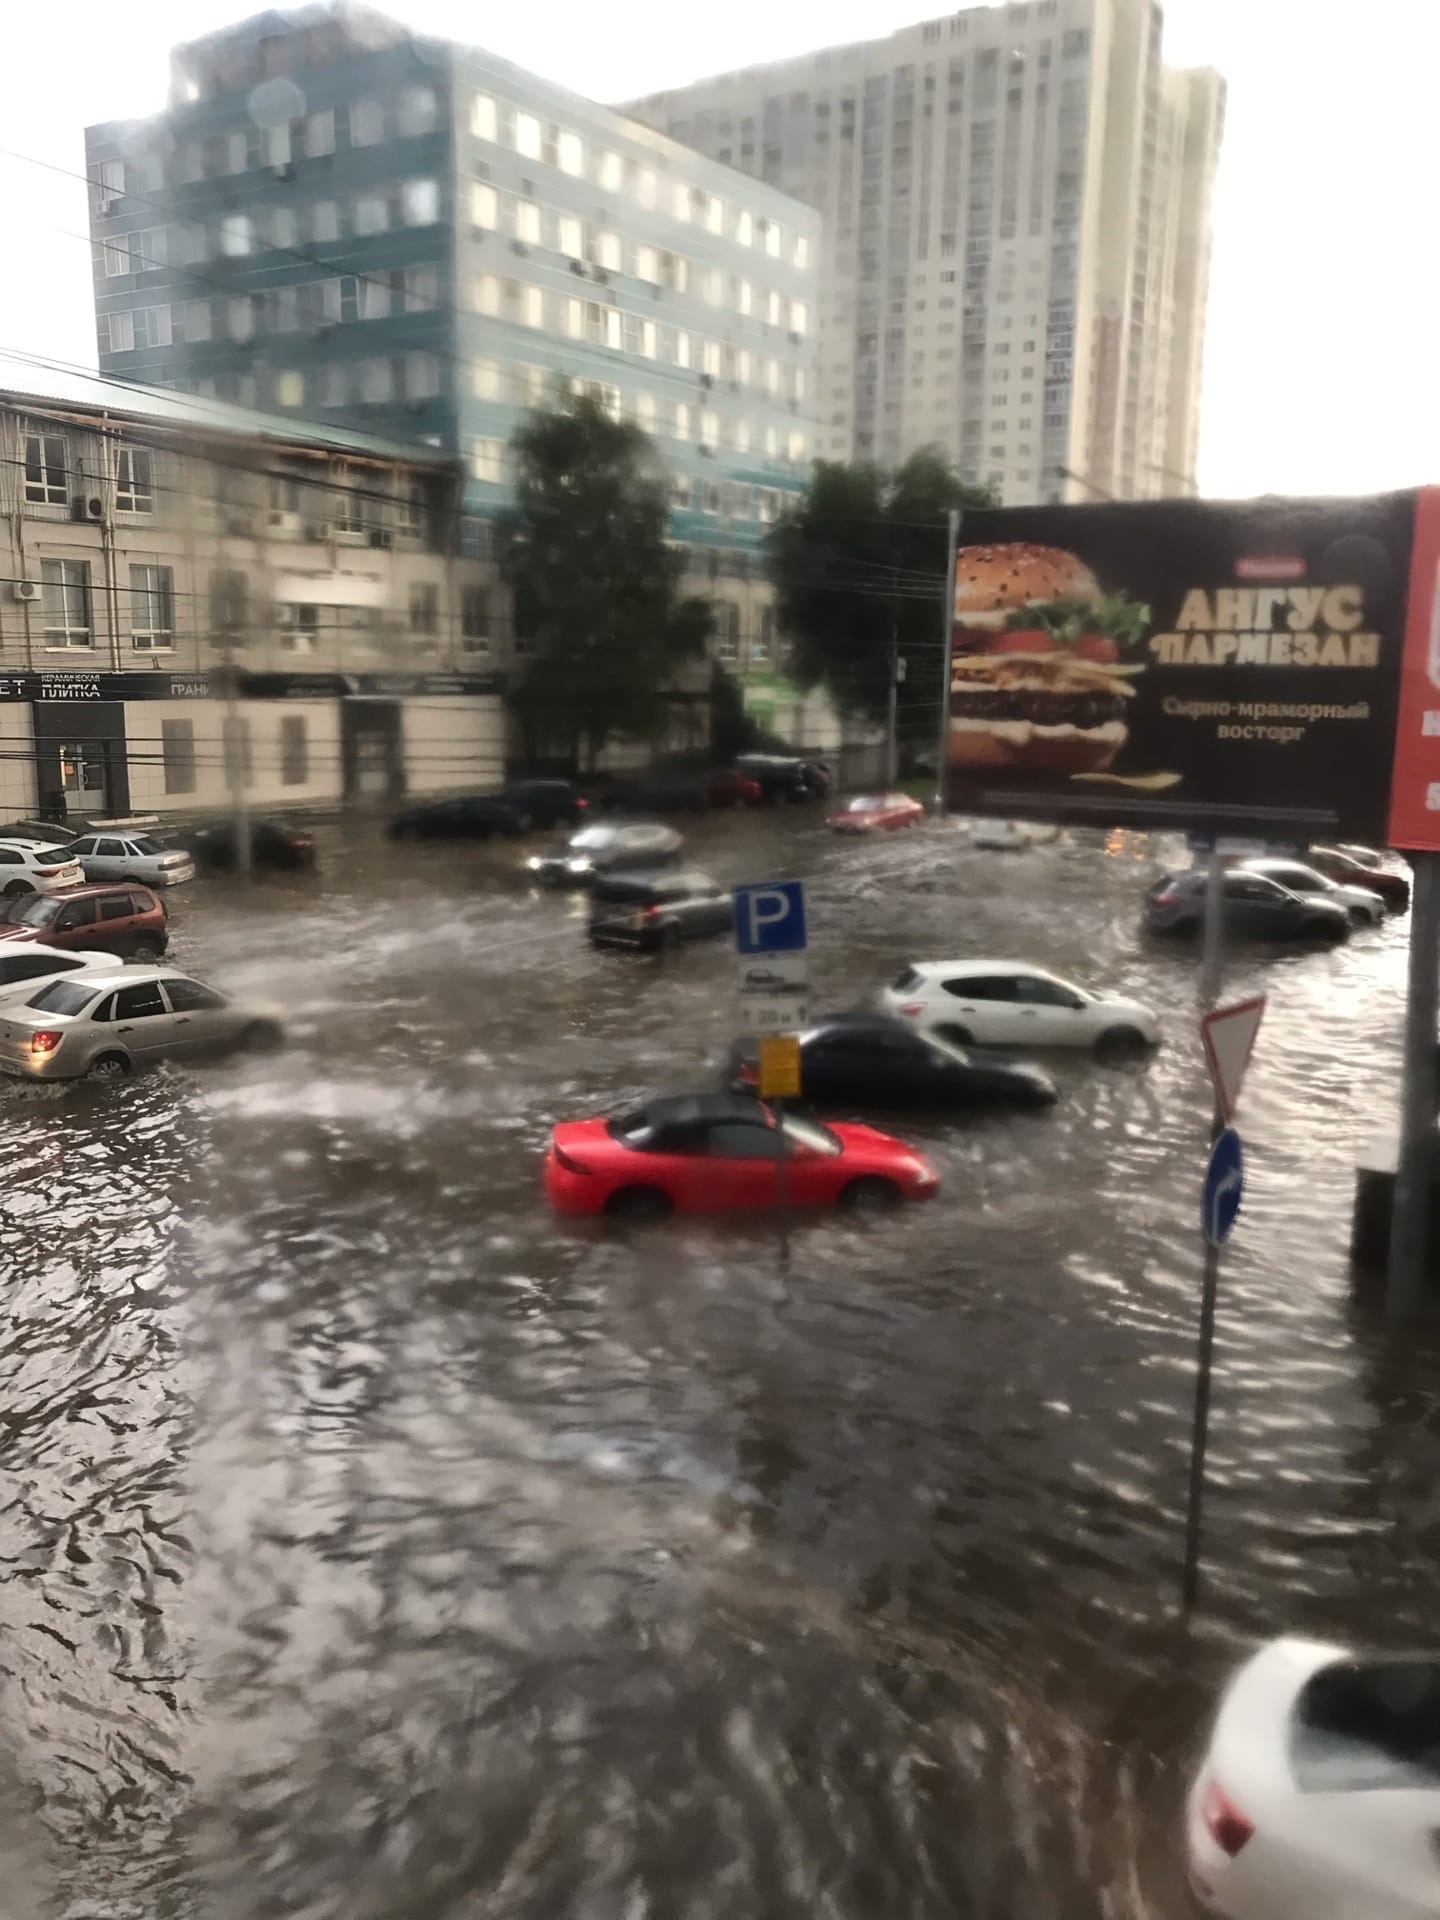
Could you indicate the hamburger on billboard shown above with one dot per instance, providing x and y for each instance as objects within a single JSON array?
[{"x": 1206, "y": 665}]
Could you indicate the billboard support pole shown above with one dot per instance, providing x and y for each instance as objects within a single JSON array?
[
  {"x": 1415, "y": 1167},
  {"x": 947, "y": 649},
  {"x": 1212, "y": 978}
]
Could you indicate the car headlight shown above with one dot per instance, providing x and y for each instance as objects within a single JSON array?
[{"x": 534, "y": 863}]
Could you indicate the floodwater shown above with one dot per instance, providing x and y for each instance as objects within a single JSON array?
[{"x": 370, "y": 1545}]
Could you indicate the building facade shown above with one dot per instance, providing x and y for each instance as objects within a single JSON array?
[
  {"x": 338, "y": 219},
  {"x": 200, "y": 603},
  {"x": 1017, "y": 234}
]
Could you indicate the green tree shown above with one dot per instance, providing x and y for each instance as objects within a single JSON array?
[
  {"x": 860, "y": 560},
  {"x": 596, "y": 588}
]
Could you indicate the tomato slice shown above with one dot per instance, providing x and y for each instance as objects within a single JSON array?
[
  {"x": 1022, "y": 640},
  {"x": 1097, "y": 647}
]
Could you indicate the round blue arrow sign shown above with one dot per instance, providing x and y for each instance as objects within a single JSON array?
[{"x": 1224, "y": 1187}]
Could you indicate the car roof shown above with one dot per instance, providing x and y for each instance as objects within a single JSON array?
[
  {"x": 975, "y": 969},
  {"x": 858, "y": 1023},
  {"x": 97, "y": 887},
  {"x": 24, "y": 845}
]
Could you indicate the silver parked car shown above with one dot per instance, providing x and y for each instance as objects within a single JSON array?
[
  {"x": 102, "y": 1024},
  {"x": 27, "y": 965},
  {"x": 131, "y": 856}
]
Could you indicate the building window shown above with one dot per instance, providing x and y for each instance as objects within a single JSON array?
[
  {"x": 197, "y": 320},
  {"x": 608, "y": 252},
  {"x": 424, "y": 607},
  {"x": 487, "y": 379},
  {"x": 227, "y": 603},
  {"x": 109, "y": 177},
  {"x": 420, "y": 202},
  {"x": 117, "y": 333},
  {"x": 802, "y": 251},
  {"x": 611, "y": 172},
  {"x": 65, "y": 602},
  {"x": 680, "y": 200},
  {"x": 372, "y": 213},
  {"x": 475, "y": 619},
  {"x": 290, "y": 388},
  {"x": 377, "y": 383},
  {"x": 571, "y": 154},
  {"x": 422, "y": 376},
  {"x": 487, "y": 459},
  {"x": 772, "y": 239},
  {"x": 152, "y": 326},
  {"x": 764, "y": 639},
  {"x": 487, "y": 293},
  {"x": 419, "y": 110},
  {"x": 335, "y": 385},
  {"x": 715, "y": 214},
  {"x": 410, "y": 508},
  {"x": 744, "y": 296},
  {"x": 242, "y": 318},
  {"x": 320, "y": 133},
  {"x": 744, "y": 228},
  {"x": 527, "y": 135},
  {"x": 152, "y": 609},
  {"x": 367, "y": 123},
  {"x": 484, "y": 206},
  {"x": 177, "y": 747},
  {"x": 421, "y": 289},
  {"x": 237, "y": 234},
  {"x": 294, "y": 750},
  {"x": 799, "y": 317},
  {"x": 134, "y": 480},
  {"x": 534, "y": 307},
  {"x": 483, "y": 117},
  {"x": 682, "y": 421},
  {"x": 46, "y": 475},
  {"x": 325, "y": 220},
  {"x": 284, "y": 228},
  {"x": 527, "y": 222}
]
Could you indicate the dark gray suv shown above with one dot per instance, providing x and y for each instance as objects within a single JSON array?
[{"x": 1256, "y": 908}]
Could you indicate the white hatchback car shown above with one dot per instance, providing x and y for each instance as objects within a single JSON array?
[
  {"x": 1319, "y": 1797},
  {"x": 1006, "y": 1003},
  {"x": 28, "y": 866},
  {"x": 26, "y": 966}
]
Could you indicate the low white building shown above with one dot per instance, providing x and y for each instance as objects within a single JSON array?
[{"x": 196, "y": 599}]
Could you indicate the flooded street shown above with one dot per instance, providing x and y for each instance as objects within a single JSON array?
[{"x": 371, "y": 1545}]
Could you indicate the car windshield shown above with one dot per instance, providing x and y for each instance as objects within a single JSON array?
[
  {"x": 62, "y": 996},
  {"x": 37, "y": 910},
  {"x": 867, "y": 803},
  {"x": 591, "y": 839},
  {"x": 809, "y": 1133},
  {"x": 142, "y": 843},
  {"x": 1368, "y": 1725},
  {"x": 44, "y": 854}
]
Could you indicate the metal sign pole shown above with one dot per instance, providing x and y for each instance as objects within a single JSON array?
[
  {"x": 1212, "y": 976},
  {"x": 782, "y": 1214},
  {"x": 1415, "y": 1167},
  {"x": 946, "y": 653}
]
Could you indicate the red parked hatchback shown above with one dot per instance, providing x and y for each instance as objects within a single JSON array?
[
  {"x": 124, "y": 919},
  {"x": 877, "y": 813},
  {"x": 717, "y": 1153}
]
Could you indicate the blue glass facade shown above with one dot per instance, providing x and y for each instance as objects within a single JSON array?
[{"x": 335, "y": 218}]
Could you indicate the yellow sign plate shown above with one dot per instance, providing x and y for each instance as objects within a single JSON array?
[{"x": 780, "y": 1067}]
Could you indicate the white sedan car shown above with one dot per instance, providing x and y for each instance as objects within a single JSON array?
[
  {"x": 1007, "y": 1003},
  {"x": 27, "y": 866},
  {"x": 26, "y": 966},
  {"x": 131, "y": 856},
  {"x": 1319, "y": 1798}
]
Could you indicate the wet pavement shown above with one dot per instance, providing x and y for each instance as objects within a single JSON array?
[{"x": 370, "y": 1544}]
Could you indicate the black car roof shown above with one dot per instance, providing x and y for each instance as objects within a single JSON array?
[
  {"x": 690, "y": 1109},
  {"x": 857, "y": 1022}
]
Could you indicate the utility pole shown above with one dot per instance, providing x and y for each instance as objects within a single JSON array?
[
  {"x": 1415, "y": 1166},
  {"x": 947, "y": 650},
  {"x": 892, "y": 708}
]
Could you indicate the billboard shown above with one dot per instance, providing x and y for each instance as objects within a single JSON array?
[{"x": 1214, "y": 666}]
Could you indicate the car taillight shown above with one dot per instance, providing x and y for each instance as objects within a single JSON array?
[
  {"x": 45, "y": 1042},
  {"x": 649, "y": 915},
  {"x": 46, "y": 873},
  {"x": 567, "y": 1160},
  {"x": 581, "y": 805},
  {"x": 1223, "y": 1820},
  {"x": 749, "y": 1073},
  {"x": 1168, "y": 897},
  {"x": 913, "y": 1007}
]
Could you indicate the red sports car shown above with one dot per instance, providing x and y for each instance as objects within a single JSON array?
[
  {"x": 716, "y": 1153},
  {"x": 877, "y": 813}
]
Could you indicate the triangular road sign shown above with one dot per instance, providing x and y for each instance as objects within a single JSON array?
[{"x": 1229, "y": 1036}]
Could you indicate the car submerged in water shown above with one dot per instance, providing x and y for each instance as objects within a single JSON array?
[{"x": 604, "y": 849}]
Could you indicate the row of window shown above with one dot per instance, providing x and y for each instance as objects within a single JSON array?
[
  {"x": 50, "y": 480},
  {"x": 602, "y": 325},
  {"x": 177, "y": 748},
  {"x": 500, "y": 123},
  {"x": 67, "y": 612},
  {"x": 304, "y": 306},
  {"x": 600, "y": 247}
]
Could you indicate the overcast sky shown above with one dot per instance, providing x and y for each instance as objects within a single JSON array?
[{"x": 1320, "y": 366}]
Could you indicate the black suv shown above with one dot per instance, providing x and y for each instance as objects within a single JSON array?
[
  {"x": 472, "y": 817},
  {"x": 1255, "y": 908},
  {"x": 785, "y": 777},
  {"x": 545, "y": 803},
  {"x": 651, "y": 912}
]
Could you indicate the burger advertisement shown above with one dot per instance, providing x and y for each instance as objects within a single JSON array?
[{"x": 1203, "y": 665}]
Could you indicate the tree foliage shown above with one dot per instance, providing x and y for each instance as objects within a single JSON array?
[
  {"x": 596, "y": 588},
  {"x": 861, "y": 559}
]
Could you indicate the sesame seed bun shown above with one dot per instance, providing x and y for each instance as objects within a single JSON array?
[{"x": 991, "y": 582}]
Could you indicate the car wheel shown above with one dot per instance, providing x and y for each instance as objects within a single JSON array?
[
  {"x": 669, "y": 941},
  {"x": 261, "y": 1036},
  {"x": 146, "y": 950},
  {"x": 1120, "y": 1043},
  {"x": 638, "y": 1206},
  {"x": 16, "y": 888},
  {"x": 957, "y": 1036},
  {"x": 869, "y": 1196},
  {"x": 109, "y": 1066}
]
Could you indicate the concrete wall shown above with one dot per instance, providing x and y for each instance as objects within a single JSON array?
[
  {"x": 17, "y": 766},
  {"x": 266, "y": 788}
]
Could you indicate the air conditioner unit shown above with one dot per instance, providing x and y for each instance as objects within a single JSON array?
[
  {"x": 707, "y": 379},
  {"x": 26, "y": 590},
  {"x": 283, "y": 520},
  {"x": 285, "y": 170},
  {"x": 351, "y": 536},
  {"x": 77, "y": 507},
  {"x": 94, "y": 508},
  {"x": 316, "y": 530},
  {"x": 381, "y": 537},
  {"x": 519, "y": 246}
]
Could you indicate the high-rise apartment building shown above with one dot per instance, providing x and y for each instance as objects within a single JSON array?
[
  {"x": 1017, "y": 230},
  {"x": 337, "y": 219}
]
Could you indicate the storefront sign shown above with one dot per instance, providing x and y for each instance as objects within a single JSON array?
[
  {"x": 106, "y": 686},
  {"x": 1210, "y": 666},
  {"x": 1415, "y": 792}
]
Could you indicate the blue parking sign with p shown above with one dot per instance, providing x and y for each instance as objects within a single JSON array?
[{"x": 770, "y": 917}]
